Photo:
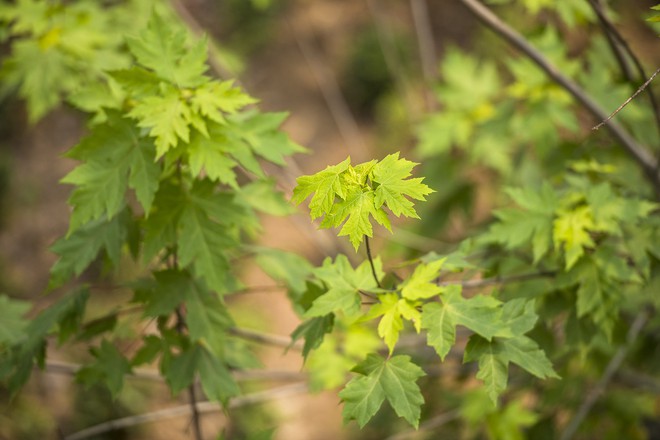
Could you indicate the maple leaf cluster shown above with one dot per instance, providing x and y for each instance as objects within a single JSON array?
[{"x": 351, "y": 195}]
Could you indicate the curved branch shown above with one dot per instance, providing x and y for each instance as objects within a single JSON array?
[
  {"x": 475, "y": 284},
  {"x": 639, "y": 153},
  {"x": 619, "y": 44},
  {"x": 185, "y": 410}
]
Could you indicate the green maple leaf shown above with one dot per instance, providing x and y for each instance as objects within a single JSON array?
[
  {"x": 480, "y": 314},
  {"x": 179, "y": 370},
  {"x": 161, "y": 225},
  {"x": 162, "y": 48},
  {"x": 314, "y": 331},
  {"x": 352, "y": 195},
  {"x": 393, "y": 310},
  {"x": 344, "y": 284},
  {"x": 217, "y": 381},
  {"x": 77, "y": 251},
  {"x": 493, "y": 367},
  {"x": 167, "y": 116},
  {"x": 162, "y": 295},
  {"x": 526, "y": 353},
  {"x": 421, "y": 284},
  {"x": 116, "y": 157},
  {"x": 533, "y": 223},
  {"x": 207, "y": 318},
  {"x": 213, "y": 98},
  {"x": 572, "y": 233},
  {"x": 355, "y": 210},
  {"x": 494, "y": 357},
  {"x": 261, "y": 132},
  {"x": 202, "y": 244},
  {"x": 391, "y": 174},
  {"x": 325, "y": 185},
  {"x": 393, "y": 379},
  {"x": 109, "y": 367},
  {"x": 209, "y": 154},
  {"x": 12, "y": 323}
]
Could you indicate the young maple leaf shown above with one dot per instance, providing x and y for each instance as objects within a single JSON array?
[
  {"x": 391, "y": 174},
  {"x": 325, "y": 185},
  {"x": 361, "y": 190}
]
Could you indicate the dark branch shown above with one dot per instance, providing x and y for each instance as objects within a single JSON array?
[
  {"x": 639, "y": 153},
  {"x": 484, "y": 282},
  {"x": 197, "y": 427},
  {"x": 184, "y": 410},
  {"x": 619, "y": 44},
  {"x": 371, "y": 261}
]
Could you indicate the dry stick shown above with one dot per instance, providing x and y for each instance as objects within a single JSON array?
[
  {"x": 426, "y": 45},
  {"x": 184, "y": 410},
  {"x": 265, "y": 338},
  {"x": 371, "y": 261},
  {"x": 333, "y": 96},
  {"x": 638, "y": 152},
  {"x": 68, "y": 368},
  {"x": 627, "y": 101},
  {"x": 617, "y": 42},
  {"x": 615, "y": 363},
  {"x": 613, "y": 39}
]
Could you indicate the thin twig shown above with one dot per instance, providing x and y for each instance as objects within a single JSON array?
[
  {"x": 613, "y": 39},
  {"x": 617, "y": 42},
  {"x": 426, "y": 45},
  {"x": 371, "y": 261},
  {"x": 265, "y": 338},
  {"x": 475, "y": 284},
  {"x": 627, "y": 101},
  {"x": 184, "y": 410},
  {"x": 615, "y": 363},
  {"x": 638, "y": 152},
  {"x": 68, "y": 368}
]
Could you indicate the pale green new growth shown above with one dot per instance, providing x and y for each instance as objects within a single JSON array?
[{"x": 352, "y": 195}]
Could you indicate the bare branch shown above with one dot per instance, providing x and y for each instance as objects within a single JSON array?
[
  {"x": 475, "y": 284},
  {"x": 185, "y": 410},
  {"x": 615, "y": 363},
  {"x": 619, "y": 45},
  {"x": 371, "y": 261},
  {"x": 265, "y": 338},
  {"x": 68, "y": 368},
  {"x": 627, "y": 101},
  {"x": 638, "y": 152}
]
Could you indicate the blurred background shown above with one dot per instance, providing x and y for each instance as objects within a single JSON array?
[{"x": 362, "y": 78}]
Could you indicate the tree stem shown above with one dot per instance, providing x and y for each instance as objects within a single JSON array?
[
  {"x": 197, "y": 427},
  {"x": 371, "y": 261}
]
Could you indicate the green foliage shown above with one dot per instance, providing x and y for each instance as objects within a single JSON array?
[
  {"x": 352, "y": 194},
  {"x": 170, "y": 177},
  {"x": 157, "y": 178},
  {"x": 393, "y": 379}
]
